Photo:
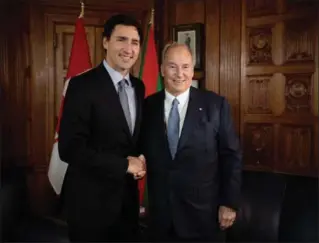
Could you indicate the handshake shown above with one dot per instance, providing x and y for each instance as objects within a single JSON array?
[{"x": 137, "y": 166}]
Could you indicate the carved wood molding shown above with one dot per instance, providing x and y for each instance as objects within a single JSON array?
[
  {"x": 296, "y": 151},
  {"x": 258, "y": 94},
  {"x": 299, "y": 40},
  {"x": 298, "y": 92},
  {"x": 259, "y": 45},
  {"x": 257, "y": 8},
  {"x": 258, "y": 145}
]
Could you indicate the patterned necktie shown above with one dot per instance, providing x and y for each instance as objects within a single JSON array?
[
  {"x": 173, "y": 128},
  {"x": 124, "y": 103}
]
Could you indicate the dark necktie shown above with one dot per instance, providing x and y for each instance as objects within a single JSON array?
[{"x": 173, "y": 128}]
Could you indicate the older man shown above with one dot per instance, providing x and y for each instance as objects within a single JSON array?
[{"x": 192, "y": 153}]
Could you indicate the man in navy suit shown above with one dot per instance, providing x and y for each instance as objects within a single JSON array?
[
  {"x": 192, "y": 153},
  {"x": 98, "y": 139}
]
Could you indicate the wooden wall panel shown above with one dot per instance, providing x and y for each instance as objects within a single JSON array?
[
  {"x": 280, "y": 83},
  {"x": 37, "y": 180},
  {"x": 230, "y": 55},
  {"x": 190, "y": 12},
  {"x": 212, "y": 54},
  {"x": 15, "y": 81},
  {"x": 4, "y": 85}
]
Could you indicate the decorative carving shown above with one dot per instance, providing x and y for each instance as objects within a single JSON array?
[
  {"x": 300, "y": 41},
  {"x": 258, "y": 149},
  {"x": 260, "y": 45},
  {"x": 298, "y": 93},
  {"x": 260, "y": 7},
  {"x": 296, "y": 147},
  {"x": 258, "y": 95}
]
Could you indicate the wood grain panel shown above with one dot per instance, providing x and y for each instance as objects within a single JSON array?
[
  {"x": 277, "y": 94},
  {"x": 272, "y": 19},
  {"x": 279, "y": 41},
  {"x": 15, "y": 78},
  {"x": 289, "y": 68},
  {"x": 4, "y": 87},
  {"x": 259, "y": 95},
  {"x": 296, "y": 150},
  {"x": 316, "y": 76},
  {"x": 258, "y": 146},
  {"x": 287, "y": 119},
  {"x": 99, "y": 50},
  {"x": 299, "y": 40},
  {"x": 230, "y": 55},
  {"x": 190, "y": 12},
  {"x": 260, "y": 7},
  {"x": 212, "y": 45}
]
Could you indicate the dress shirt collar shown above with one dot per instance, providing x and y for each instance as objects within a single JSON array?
[
  {"x": 115, "y": 75},
  {"x": 182, "y": 98}
]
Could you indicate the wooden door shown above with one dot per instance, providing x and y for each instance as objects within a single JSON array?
[
  {"x": 63, "y": 39},
  {"x": 99, "y": 50},
  {"x": 279, "y": 86}
]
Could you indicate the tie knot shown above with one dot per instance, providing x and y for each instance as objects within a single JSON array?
[
  {"x": 175, "y": 102},
  {"x": 123, "y": 83}
]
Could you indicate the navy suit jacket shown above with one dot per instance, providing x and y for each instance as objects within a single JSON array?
[{"x": 206, "y": 172}]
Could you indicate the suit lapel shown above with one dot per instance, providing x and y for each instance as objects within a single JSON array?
[
  {"x": 138, "y": 102},
  {"x": 113, "y": 98},
  {"x": 159, "y": 115},
  {"x": 191, "y": 118},
  {"x": 158, "y": 119}
]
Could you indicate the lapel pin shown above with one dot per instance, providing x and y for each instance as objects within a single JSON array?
[{"x": 200, "y": 109}]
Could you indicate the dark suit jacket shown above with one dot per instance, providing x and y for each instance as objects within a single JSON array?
[
  {"x": 205, "y": 173},
  {"x": 94, "y": 139}
]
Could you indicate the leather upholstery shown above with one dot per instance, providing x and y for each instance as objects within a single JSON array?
[
  {"x": 276, "y": 207},
  {"x": 299, "y": 214}
]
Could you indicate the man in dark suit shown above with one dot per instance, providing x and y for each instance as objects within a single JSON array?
[
  {"x": 99, "y": 129},
  {"x": 192, "y": 153}
]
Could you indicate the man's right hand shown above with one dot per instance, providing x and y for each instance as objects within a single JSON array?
[{"x": 136, "y": 164}]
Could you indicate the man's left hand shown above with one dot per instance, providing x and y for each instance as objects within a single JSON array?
[{"x": 226, "y": 217}]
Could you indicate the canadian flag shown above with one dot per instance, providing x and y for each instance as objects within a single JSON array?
[{"x": 79, "y": 62}]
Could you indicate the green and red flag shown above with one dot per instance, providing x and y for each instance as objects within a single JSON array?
[{"x": 149, "y": 73}]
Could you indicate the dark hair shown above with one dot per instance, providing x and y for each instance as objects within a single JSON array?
[{"x": 121, "y": 19}]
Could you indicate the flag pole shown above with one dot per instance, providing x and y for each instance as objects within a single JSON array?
[
  {"x": 152, "y": 17},
  {"x": 82, "y": 10}
]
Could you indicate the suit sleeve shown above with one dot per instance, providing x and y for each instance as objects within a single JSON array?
[
  {"x": 74, "y": 134},
  {"x": 230, "y": 159}
]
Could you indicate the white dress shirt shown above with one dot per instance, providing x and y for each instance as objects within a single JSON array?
[{"x": 182, "y": 106}]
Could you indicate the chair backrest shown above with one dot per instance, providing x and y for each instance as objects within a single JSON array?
[
  {"x": 276, "y": 207},
  {"x": 259, "y": 214}
]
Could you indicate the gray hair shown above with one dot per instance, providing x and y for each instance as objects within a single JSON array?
[{"x": 173, "y": 45}]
